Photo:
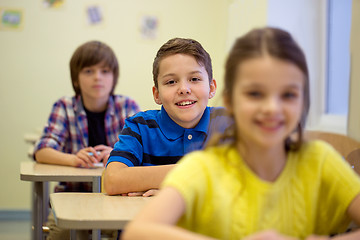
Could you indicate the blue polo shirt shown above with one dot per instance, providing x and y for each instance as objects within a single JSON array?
[{"x": 153, "y": 138}]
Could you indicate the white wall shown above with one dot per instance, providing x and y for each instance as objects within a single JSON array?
[
  {"x": 242, "y": 17},
  {"x": 34, "y": 63},
  {"x": 354, "y": 100}
]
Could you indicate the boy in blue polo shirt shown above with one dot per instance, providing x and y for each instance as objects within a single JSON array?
[{"x": 151, "y": 142}]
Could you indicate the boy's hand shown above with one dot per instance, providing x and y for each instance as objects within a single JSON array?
[
  {"x": 104, "y": 152},
  {"x": 151, "y": 192},
  {"x": 148, "y": 193},
  {"x": 83, "y": 158}
]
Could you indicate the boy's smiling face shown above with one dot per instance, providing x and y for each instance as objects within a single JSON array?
[{"x": 183, "y": 89}]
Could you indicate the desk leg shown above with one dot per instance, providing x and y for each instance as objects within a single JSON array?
[
  {"x": 96, "y": 233},
  {"x": 96, "y": 184},
  {"x": 73, "y": 234},
  {"x": 46, "y": 201},
  {"x": 37, "y": 214}
]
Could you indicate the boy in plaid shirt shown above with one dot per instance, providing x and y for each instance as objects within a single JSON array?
[{"x": 82, "y": 129}]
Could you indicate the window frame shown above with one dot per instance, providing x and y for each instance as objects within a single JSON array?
[{"x": 318, "y": 118}]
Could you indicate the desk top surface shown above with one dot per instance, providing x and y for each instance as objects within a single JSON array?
[
  {"x": 31, "y": 137},
  {"x": 37, "y": 172},
  {"x": 94, "y": 210}
]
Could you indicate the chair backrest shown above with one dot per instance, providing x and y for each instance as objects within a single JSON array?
[
  {"x": 353, "y": 158},
  {"x": 342, "y": 143}
]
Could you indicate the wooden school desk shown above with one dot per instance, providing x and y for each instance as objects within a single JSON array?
[
  {"x": 41, "y": 174},
  {"x": 77, "y": 211}
]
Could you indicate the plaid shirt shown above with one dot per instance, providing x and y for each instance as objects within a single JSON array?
[{"x": 67, "y": 129}]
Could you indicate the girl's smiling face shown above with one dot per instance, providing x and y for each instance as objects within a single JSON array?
[{"x": 267, "y": 101}]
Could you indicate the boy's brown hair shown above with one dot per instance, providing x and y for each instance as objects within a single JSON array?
[
  {"x": 89, "y": 54},
  {"x": 182, "y": 46}
]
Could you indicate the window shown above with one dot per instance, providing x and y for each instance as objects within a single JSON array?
[
  {"x": 322, "y": 28},
  {"x": 338, "y": 56}
]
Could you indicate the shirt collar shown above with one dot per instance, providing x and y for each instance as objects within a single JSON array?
[
  {"x": 111, "y": 106},
  {"x": 79, "y": 107},
  {"x": 173, "y": 131}
]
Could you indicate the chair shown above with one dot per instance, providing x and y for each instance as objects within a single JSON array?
[
  {"x": 349, "y": 148},
  {"x": 342, "y": 143},
  {"x": 353, "y": 158}
]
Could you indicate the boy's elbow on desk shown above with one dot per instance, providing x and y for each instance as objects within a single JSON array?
[
  {"x": 41, "y": 156},
  {"x": 113, "y": 183},
  {"x": 108, "y": 184},
  {"x": 109, "y": 190}
]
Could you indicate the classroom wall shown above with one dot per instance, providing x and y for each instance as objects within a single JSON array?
[
  {"x": 354, "y": 98},
  {"x": 34, "y": 63},
  {"x": 34, "y": 60}
]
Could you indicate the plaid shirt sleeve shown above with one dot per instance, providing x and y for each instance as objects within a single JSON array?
[
  {"x": 55, "y": 131},
  {"x": 119, "y": 109},
  {"x": 132, "y": 108}
]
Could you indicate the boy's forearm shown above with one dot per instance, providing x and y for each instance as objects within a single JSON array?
[
  {"x": 119, "y": 178},
  {"x": 52, "y": 156}
]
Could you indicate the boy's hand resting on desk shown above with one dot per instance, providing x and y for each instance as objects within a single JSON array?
[
  {"x": 87, "y": 157},
  {"x": 104, "y": 152},
  {"x": 148, "y": 193}
]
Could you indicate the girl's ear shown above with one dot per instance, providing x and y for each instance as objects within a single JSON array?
[{"x": 156, "y": 95}]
